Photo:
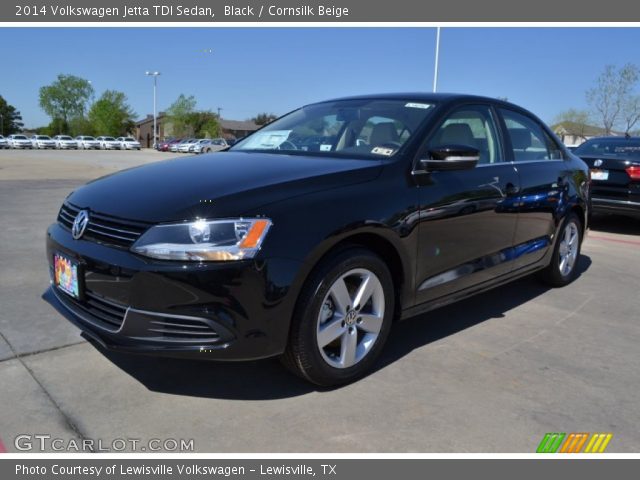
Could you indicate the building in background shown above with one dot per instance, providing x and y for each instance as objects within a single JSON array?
[
  {"x": 573, "y": 133},
  {"x": 231, "y": 129}
]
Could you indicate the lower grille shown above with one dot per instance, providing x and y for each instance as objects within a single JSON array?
[
  {"x": 104, "y": 228},
  {"x": 182, "y": 329},
  {"x": 102, "y": 312}
]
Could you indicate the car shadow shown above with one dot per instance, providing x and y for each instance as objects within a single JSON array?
[
  {"x": 267, "y": 379},
  {"x": 615, "y": 224}
]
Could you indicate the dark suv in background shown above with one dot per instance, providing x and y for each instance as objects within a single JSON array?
[{"x": 308, "y": 238}]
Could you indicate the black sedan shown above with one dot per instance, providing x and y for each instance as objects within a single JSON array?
[
  {"x": 308, "y": 238},
  {"x": 615, "y": 174}
]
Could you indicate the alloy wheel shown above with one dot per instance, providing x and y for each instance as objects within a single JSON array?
[
  {"x": 350, "y": 318},
  {"x": 568, "y": 249}
]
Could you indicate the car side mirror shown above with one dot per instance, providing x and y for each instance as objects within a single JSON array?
[{"x": 451, "y": 157}]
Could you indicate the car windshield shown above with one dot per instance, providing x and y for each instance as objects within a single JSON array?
[
  {"x": 370, "y": 128},
  {"x": 65, "y": 138},
  {"x": 129, "y": 139},
  {"x": 89, "y": 138},
  {"x": 617, "y": 147},
  {"x": 19, "y": 137},
  {"x": 109, "y": 139},
  {"x": 43, "y": 137}
]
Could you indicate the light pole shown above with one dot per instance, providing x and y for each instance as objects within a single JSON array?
[
  {"x": 155, "y": 117},
  {"x": 435, "y": 70}
]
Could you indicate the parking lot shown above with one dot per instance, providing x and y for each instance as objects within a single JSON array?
[{"x": 493, "y": 373}]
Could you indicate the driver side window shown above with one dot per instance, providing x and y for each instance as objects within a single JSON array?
[{"x": 471, "y": 126}]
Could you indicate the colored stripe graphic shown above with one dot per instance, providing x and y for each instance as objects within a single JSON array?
[
  {"x": 574, "y": 443},
  {"x": 3, "y": 449},
  {"x": 598, "y": 443},
  {"x": 550, "y": 443}
]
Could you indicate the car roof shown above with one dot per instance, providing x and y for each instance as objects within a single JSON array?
[
  {"x": 612, "y": 137},
  {"x": 424, "y": 97}
]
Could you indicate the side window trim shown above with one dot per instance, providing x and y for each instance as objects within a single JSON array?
[
  {"x": 493, "y": 118},
  {"x": 508, "y": 145}
]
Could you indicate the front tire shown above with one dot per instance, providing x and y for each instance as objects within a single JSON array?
[
  {"x": 562, "y": 269},
  {"x": 342, "y": 319}
]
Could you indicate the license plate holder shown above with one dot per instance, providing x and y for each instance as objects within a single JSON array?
[
  {"x": 599, "y": 174},
  {"x": 68, "y": 276}
]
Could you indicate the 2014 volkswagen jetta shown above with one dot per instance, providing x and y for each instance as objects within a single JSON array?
[{"x": 309, "y": 237}]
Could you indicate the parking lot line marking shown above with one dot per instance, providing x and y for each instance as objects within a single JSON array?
[{"x": 616, "y": 240}]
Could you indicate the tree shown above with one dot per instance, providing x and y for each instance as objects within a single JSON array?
[
  {"x": 10, "y": 118},
  {"x": 203, "y": 124},
  {"x": 577, "y": 119},
  {"x": 611, "y": 98},
  {"x": 263, "y": 118},
  {"x": 631, "y": 113},
  {"x": 111, "y": 114},
  {"x": 66, "y": 98},
  {"x": 180, "y": 115}
]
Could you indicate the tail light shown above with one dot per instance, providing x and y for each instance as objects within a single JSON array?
[{"x": 634, "y": 172}]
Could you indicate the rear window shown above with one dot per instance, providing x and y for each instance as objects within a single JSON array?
[{"x": 609, "y": 147}]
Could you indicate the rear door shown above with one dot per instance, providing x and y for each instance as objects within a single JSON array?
[{"x": 543, "y": 182}]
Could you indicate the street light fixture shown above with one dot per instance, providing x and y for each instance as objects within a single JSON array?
[{"x": 155, "y": 118}]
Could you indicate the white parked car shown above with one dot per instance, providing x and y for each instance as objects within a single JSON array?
[
  {"x": 18, "y": 141},
  {"x": 65, "y": 142},
  {"x": 87, "y": 142},
  {"x": 42, "y": 141},
  {"x": 108, "y": 143},
  {"x": 187, "y": 144},
  {"x": 128, "y": 143},
  {"x": 3, "y": 142},
  {"x": 213, "y": 145}
]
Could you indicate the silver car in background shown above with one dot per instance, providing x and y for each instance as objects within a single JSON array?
[
  {"x": 65, "y": 142},
  {"x": 18, "y": 141},
  {"x": 3, "y": 142},
  {"x": 128, "y": 143},
  {"x": 108, "y": 143},
  {"x": 185, "y": 145},
  {"x": 210, "y": 145},
  {"x": 42, "y": 141},
  {"x": 87, "y": 142}
]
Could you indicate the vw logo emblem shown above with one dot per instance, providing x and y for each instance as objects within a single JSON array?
[
  {"x": 80, "y": 224},
  {"x": 597, "y": 163}
]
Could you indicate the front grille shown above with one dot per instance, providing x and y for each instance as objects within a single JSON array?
[
  {"x": 104, "y": 228},
  {"x": 182, "y": 329},
  {"x": 102, "y": 312}
]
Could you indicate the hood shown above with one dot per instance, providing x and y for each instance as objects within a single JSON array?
[{"x": 217, "y": 185}]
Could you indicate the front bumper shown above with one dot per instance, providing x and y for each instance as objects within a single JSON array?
[
  {"x": 224, "y": 311},
  {"x": 68, "y": 146},
  {"x": 619, "y": 207},
  {"x": 22, "y": 145}
]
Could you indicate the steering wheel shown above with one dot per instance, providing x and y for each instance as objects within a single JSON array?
[{"x": 290, "y": 145}]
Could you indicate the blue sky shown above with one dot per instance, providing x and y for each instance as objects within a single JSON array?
[{"x": 252, "y": 70}]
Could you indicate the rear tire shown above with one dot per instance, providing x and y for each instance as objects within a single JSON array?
[
  {"x": 562, "y": 269},
  {"x": 342, "y": 319}
]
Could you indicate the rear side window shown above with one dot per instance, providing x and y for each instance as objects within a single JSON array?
[{"x": 529, "y": 141}]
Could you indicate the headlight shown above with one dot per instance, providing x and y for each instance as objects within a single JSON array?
[{"x": 204, "y": 240}]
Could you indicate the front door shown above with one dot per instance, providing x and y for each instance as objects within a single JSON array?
[{"x": 465, "y": 238}]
